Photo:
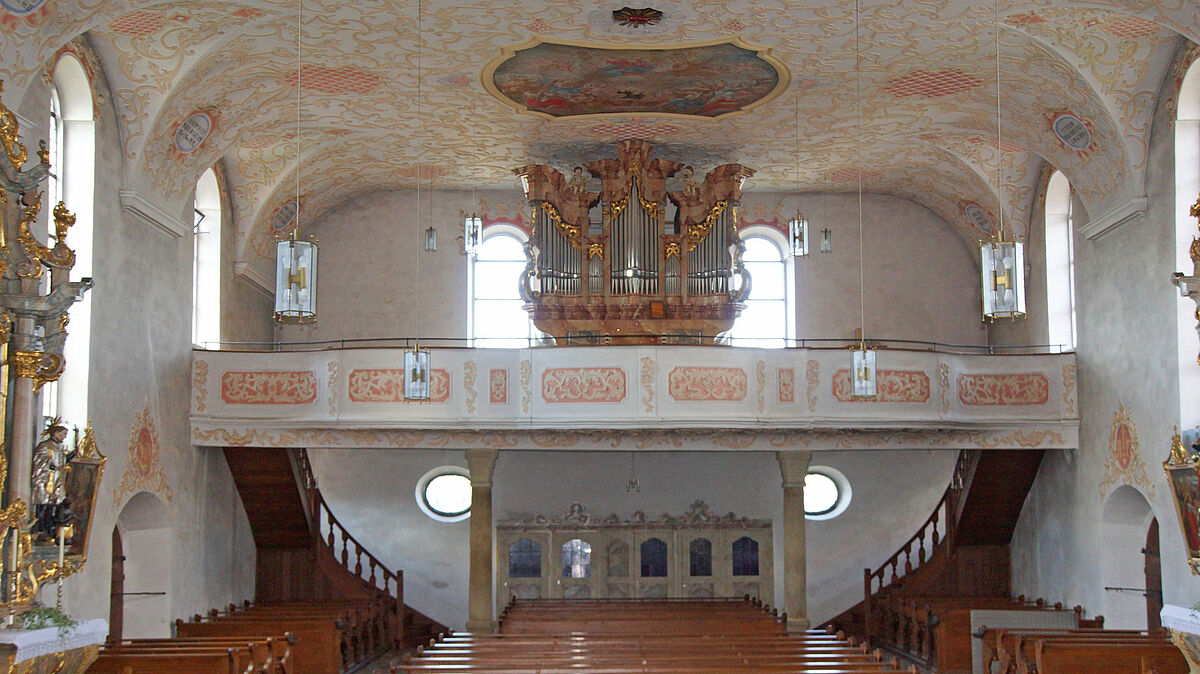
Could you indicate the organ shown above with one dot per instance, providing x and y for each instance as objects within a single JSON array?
[{"x": 634, "y": 276}]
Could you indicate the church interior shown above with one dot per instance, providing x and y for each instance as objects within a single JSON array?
[{"x": 869, "y": 320}]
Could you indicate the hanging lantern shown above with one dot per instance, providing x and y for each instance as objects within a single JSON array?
[
  {"x": 295, "y": 281},
  {"x": 1003, "y": 275},
  {"x": 826, "y": 240},
  {"x": 798, "y": 235},
  {"x": 430, "y": 239},
  {"x": 472, "y": 233},
  {"x": 863, "y": 372},
  {"x": 416, "y": 374}
]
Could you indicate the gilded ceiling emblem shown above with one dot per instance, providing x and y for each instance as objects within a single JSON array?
[
  {"x": 1124, "y": 463},
  {"x": 144, "y": 470},
  {"x": 627, "y": 16}
]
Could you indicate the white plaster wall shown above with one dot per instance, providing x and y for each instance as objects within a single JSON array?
[
  {"x": 140, "y": 360},
  {"x": 1127, "y": 355},
  {"x": 372, "y": 493},
  {"x": 920, "y": 277}
]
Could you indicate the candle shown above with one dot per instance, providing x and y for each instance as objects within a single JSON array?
[
  {"x": 61, "y": 548},
  {"x": 13, "y": 568}
]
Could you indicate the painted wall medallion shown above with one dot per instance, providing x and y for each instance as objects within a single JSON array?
[
  {"x": 143, "y": 469},
  {"x": 787, "y": 385},
  {"x": 978, "y": 216},
  {"x": 384, "y": 385},
  {"x": 21, "y": 7},
  {"x": 627, "y": 16},
  {"x": 1124, "y": 464},
  {"x": 193, "y": 131},
  {"x": 284, "y": 217},
  {"x": 498, "y": 387},
  {"x": 565, "y": 80}
]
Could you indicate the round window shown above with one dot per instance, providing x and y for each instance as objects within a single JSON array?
[
  {"x": 444, "y": 494},
  {"x": 826, "y": 493}
]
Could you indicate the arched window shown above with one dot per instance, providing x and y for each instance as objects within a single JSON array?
[
  {"x": 1060, "y": 263},
  {"x": 524, "y": 559},
  {"x": 700, "y": 557},
  {"x": 654, "y": 558},
  {"x": 497, "y": 318},
  {"x": 576, "y": 559},
  {"x": 206, "y": 262},
  {"x": 1187, "y": 186},
  {"x": 769, "y": 317},
  {"x": 53, "y": 196},
  {"x": 745, "y": 557},
  {"x": 73, "y": 139}
]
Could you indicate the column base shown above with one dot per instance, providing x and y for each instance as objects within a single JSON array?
[
  {"x": 481, "y": 626},
  {"x": 795, "y": 625}
]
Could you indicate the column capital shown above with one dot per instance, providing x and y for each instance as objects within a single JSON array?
[
  {"x": 481, "y": 463},
  {"x": 793, "y": 466}
]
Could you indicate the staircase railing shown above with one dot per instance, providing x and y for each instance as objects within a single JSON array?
[
  {"x": 936, "y": 534},
  {"x": 345, "y": 549}
]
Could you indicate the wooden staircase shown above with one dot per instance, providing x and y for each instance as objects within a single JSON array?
[
  {"x": 962, "y": 548},
  {"x": 304, "y": 553}
]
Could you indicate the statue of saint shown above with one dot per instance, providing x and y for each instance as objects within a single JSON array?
[{"x": 50, "y": 458}]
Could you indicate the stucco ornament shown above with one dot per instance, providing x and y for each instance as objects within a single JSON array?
[
  {"x": 1124, "y": 464},
  {"x": 144, "y": 470}
]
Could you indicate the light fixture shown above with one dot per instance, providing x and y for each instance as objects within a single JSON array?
[
  {"x": 826, "y": 241},
  {"x": 295, "y": 259},
  {"x": 798, "y": 235},
  {"x": 417, "y": 360},
  {"x": 862, "y": 371},
  {"x": 634, "y": 485},
  {"x": 1002, "y": 260},
  {"x": 798, "y": 225},
  {"x": 472, "y": 231},
  {"x": 416, "y": 373}
]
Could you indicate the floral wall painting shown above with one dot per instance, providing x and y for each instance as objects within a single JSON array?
[
  {"x": 556, "y": 80},
  {"x": 1124, "y": 464},
  {"x": 144, "y": 470}
]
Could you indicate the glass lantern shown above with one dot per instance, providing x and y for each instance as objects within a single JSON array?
[
  {"x": 798, "y": 235},
  {"x": 416, "y": 374},
  {"x": 1003, "y": 276},
  {"x": 295, "y": 281},
  {"x": 863, "y": 372},
  {"x": 472, "y": 233}
]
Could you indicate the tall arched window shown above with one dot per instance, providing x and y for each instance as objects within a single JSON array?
[
  {"x": 769, "y": 317},
  {"x": 1060, "y": 263},
  {"x": 1187, "y": 187},
  {"x": 497, "y": 318},
  {"x": 54, "y": 195},
  {"x": 206, "y": 262},
  {"x": 73, "y": 139}
]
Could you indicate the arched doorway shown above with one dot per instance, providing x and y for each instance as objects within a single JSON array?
[
  {"x": 141, "y": 570},
  {"x": 1154, "y": 591},
  {"x": 1126, "y": 528}
]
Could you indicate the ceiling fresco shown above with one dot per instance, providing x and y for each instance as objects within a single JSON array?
[
  {"x": 564, "y": 80},
  {"x": 393, "y": 97}
]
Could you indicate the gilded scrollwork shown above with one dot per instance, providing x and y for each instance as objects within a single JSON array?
[
  {"x": 10, "y": 136},
  {"x": 697, "y": 232},
  {"x": 571, "y": 232}
]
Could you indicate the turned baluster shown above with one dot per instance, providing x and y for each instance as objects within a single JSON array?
[
  {"x": 936, "y": 536},
  {"x": 372, "y": 580},
  {"x": 927, "y": 637},
  {"x": 329, "y": 537},
  {"x": 358, "y": 560},
  {"x": 921, "y": 548},
  {"x": 345, "y": 554},
  {"x": 908, "y": 567},
  {"x": 895, "y": 561}
]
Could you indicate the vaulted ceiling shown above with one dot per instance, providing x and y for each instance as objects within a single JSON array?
[{"x": 390, "y": 85}]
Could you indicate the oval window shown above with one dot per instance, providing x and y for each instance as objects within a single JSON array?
[
  {"x": 826, "y": 493},
  {"x": 445, "y": 494}
]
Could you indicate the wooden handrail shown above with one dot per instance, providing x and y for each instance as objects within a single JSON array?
[{"x": 946, "y": 514}]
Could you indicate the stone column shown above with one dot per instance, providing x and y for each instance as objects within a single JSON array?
[
  {"x": 482, "y": 463},
  {"x": 25, "y": 365},
  {"x": 793, "y": 466}
]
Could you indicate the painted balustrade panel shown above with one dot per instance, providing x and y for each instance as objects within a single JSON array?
[{"x": 633, "y": 397}]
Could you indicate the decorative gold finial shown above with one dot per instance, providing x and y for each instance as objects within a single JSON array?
[
  {"x": 1179, "y": 454},
  {"x": 1195, "y": 209}
]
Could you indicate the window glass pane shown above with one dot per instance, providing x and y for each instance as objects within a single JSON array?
[
  {"x": 498, "y": 280},
  {"x": 766, "y": 280},
  {"x": 761, "y": 248},
  {"x": 448, "y": 494},
  {"x": 820, "y": 494},
  {"x": 501, "y": 247},
  {"x": 700, "y": 557},
  {"x": 654, "y": 558},
  {"x": 524, "y": 559},
  {"x": 576, "y": 559},
  {"x": 761, "y": 325},
  {"x": 500, "y": 318},
  {"x": 745, "y": 557}
]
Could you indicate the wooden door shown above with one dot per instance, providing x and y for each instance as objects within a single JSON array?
[
  {"x": 1154, "y": 592},
  {"x": 116, "y": 595}
]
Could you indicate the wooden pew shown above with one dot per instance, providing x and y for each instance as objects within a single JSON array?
[{"x": 269, "y": 655}]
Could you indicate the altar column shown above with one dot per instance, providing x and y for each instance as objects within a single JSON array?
[
  {"x": 482, "y": 463},
  {"x": 794, "y": 466}
]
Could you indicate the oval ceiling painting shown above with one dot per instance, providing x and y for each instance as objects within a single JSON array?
[{"x": 563, "y": 80}]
